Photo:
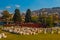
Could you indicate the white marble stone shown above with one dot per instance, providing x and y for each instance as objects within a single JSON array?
[{"x": 0, "y": 36}]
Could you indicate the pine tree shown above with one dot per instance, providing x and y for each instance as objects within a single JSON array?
[
  {"x": 28, "y": 16},
  {"x": 17, "y": 16}
]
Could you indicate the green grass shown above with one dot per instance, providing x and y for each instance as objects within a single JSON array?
[{"x": 11, "y": 36}]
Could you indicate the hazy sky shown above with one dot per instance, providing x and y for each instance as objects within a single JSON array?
[{"x": 23, "y": 5}]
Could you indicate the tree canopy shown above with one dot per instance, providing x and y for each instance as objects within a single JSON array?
[
  {"x": 5, "y": 14},
  {"x": 17, "y": 16},
  {"x": 28, "y": 16}
]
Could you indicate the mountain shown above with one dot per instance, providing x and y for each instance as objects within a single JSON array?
[{"x": 48, "y": 10}]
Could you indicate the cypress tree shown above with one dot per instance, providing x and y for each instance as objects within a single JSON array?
[
  {"x": 17, "y": 16},
  {"x": 28, "y": 16}
]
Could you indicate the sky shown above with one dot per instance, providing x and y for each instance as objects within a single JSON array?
[{"x": 23, "y": 5}]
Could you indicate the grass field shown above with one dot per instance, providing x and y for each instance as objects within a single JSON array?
[{"x": 11, "y": 36}]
